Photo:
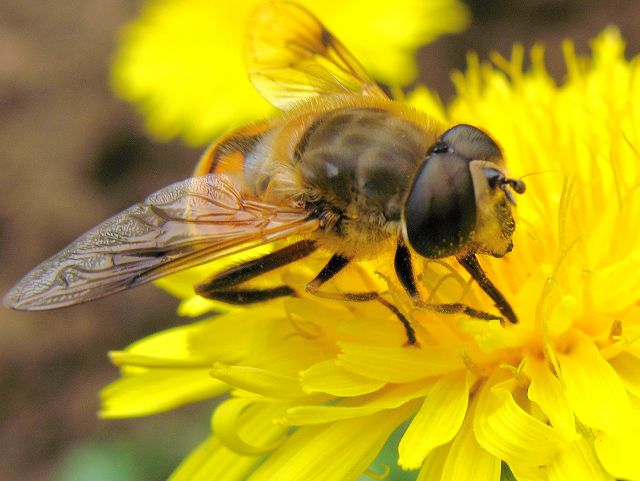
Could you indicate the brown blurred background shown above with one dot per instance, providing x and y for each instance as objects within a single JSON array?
[{"x": 71, "y": 155}]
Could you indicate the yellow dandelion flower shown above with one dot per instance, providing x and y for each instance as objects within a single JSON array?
[
  {"x": 181, "y": 61},
  {"x": 318, "y": 387}
]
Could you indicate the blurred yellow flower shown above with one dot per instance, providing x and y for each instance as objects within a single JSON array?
[
  {"x": 181, "y": 61},
  {"x": 319, "y": 387}
]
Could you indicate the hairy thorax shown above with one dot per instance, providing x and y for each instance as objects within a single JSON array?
[{"x": 356, "y": 165}]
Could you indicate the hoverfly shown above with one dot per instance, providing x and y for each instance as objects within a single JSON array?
[{"x": 341, "y": 168}]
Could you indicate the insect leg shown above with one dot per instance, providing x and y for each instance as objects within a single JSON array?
[
  {"x": 222, "y": 286},
  {"x": 472, "y": 266},
  {"x": 404, "y": 271},
  {"x": 335, "y": 265},
  {"x": 458, "y": 308}
]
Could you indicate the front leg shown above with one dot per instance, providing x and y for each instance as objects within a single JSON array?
[
  {"x": 404, "y": 271},
  {"x": 406, "y": 276},
  {"x": 472, "y": 266}
]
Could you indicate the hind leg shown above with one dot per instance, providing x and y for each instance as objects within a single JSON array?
[{"x": 224, "y": 285}]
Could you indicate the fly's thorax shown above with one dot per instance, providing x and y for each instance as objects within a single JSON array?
[{"x": 356, "y": 165}]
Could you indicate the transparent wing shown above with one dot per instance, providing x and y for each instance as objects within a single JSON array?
[
  {"x": 291, "y": 56},
  {"x": 183, "y": 225}
]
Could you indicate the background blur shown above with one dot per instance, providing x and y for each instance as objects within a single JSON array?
[{"x": 71, "y": 155}]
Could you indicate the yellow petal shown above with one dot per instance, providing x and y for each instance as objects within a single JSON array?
[
  {"x": 632, "y": 339},
  {"x": 619, "y": 454},
  {"x": 504, "y": 429},
  {"x": 328, "y": 377},
  {"x": 390, "y": 397},
  {"x": 467, "y": 459},
  {"x": 210, "y": 460},
  {"x": 434, "y": 464},
  {"x": 259, "y": 381},
  {"x": 491, "y": 336},
  {"x": 524, "y": 473},
  {"x": 227, "y": 420},
  {"x": 628, "y": 368},
  {"x": 214, "y": 461},
  {"x": 562, "y": 315},
  {"x": 577, "y": 461},
  {"x": 398, "y": 364},
  {"x": 282, "y": 349},
  {"x": 401, "y": 27},
  {"x": 157, "y": 391},
  {"x": 171, "y": 343},
  {"x": 546, "y": 391},
  {"x": 260, "y": 337},
  {"x": 437, "y": 421},
  {"x": 593, "y": 388},
  {"x": 626, "y": 286},
  {"x": 126, "y": 360},
  {"x": 232, "y": 336},
  {"x": 335, "y": 452}
]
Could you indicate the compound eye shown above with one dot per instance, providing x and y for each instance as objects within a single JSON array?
[
  {"x": 440, "y": 211},
  {"x": 471, "y": 143}
]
